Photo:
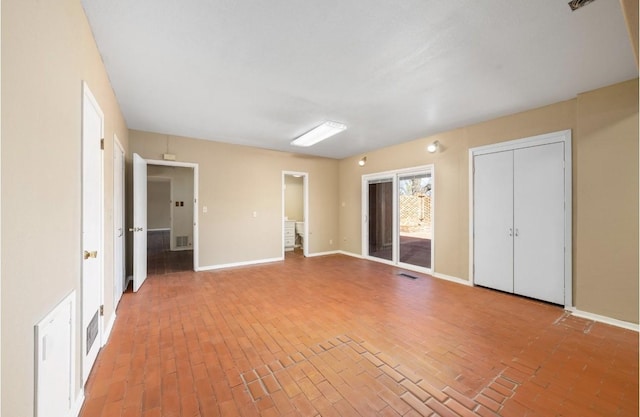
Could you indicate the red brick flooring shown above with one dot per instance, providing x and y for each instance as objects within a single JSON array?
[{"x": 338, "y": 336}]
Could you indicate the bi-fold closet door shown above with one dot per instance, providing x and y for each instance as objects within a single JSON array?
[{"x": 519, "y": 221}]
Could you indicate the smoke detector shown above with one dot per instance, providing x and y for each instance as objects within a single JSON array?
[{"x": 576, "y": 4}]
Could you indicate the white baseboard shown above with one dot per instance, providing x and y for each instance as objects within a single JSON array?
[
  {"x": 236, "y": 264},
  {"x": 354, "y": 255},
  {"x": 433, "y": 274},
  {"x": 162, "y": 229},
  {"x": 77, "y": 405},
  {"x": 313, "y": 255},
  {"x": 452, "y": 279},
  {"x": 181, "y": 249},
  {"x": 603, "y": 319},
  {"x": 108, "y": 328}
]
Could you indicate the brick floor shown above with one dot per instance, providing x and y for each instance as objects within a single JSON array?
[{"x": 339, "y": 336}]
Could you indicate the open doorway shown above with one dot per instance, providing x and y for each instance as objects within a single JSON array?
[
  {"x": 295, "y": 214},
  {"x": 170, "y": 219}
]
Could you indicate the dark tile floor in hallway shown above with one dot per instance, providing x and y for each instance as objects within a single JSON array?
[
  {"x": 339, "y": 336},
  {"x": 161, "y": 259}
]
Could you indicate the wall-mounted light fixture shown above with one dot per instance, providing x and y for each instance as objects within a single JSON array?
[
  {"x": 362, "y": 161},
  {"x": 319, "y": 133},
  {"x": 433, "y": 146}
]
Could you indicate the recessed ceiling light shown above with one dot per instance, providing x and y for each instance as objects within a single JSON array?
[{"x": 319, "y": 133}]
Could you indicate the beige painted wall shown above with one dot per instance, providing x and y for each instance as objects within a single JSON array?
[
  {"x": 606, "y": 198},
  {"x": 595, "y": 119},
  {"x": 180, "y": 218},
  {"x": 47, "y": 50},
  {"x": 158, "y": 203},
  {"x": 294, "y": 198},
  {"x": 235, "y": 181}
]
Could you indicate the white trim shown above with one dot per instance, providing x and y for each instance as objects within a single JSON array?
[
  {"x": 434, "y": 274},
  {"x": 196, "y": 202},
  {"x": 236, "y": 264},
  {"x": 452, "y": 279},
  {"x": 161, "y": 229},
  {"x": 604, "y": 319},
  {"x": 305, "y": 208},
  {"x": 316, "y": 254},
  {"x": 109, "y": 327},
  {"x": 353, "y": 255},
  {"x": 563, "y": 136},
  {"x": 77, "y": 404},
  {"x": 69, "y": 300},
  {"x": 119, "y": 188}
]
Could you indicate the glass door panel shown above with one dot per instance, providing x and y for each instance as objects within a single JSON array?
[
  {"x": 415, "y": 223},
  {"x": 381, "y": 218}
]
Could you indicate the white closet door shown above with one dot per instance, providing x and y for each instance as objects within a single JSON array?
[
  {"x": 493, "y": 220},
  {"x": 539, "y": 222}
]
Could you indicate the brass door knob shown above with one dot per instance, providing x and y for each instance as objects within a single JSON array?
[{"x": 86, "y": 254}]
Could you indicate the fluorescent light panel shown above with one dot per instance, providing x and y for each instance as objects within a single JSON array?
[{"x": 319, "y": 133}]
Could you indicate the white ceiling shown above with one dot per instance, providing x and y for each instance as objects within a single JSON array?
[{"x": 261, "y": 73}]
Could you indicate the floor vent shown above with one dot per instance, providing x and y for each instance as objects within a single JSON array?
[
  {"x": 404, "y": 274},
  {"x": 182, "y": 241}
]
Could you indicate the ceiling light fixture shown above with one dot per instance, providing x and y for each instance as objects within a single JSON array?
[
  {"x": 433, "y": 146},
  {"x": 362, "y": 161},
  {"x": 319, "y": 133}
]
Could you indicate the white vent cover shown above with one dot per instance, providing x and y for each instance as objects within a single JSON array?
[{"x": 182, "y": 241}]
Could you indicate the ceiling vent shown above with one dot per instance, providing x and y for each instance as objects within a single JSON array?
[{"x": 576, "y": 4}]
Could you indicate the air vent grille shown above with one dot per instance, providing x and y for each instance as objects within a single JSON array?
[{"x": 182, "y": 241}]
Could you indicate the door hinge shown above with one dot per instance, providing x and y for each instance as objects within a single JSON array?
[
  {"x": 102, "y": 144},
  {"x": 102, "y": 310}
]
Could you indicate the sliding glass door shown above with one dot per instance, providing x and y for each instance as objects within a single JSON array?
[
  {"x": 398, "y": 217},
  {"x": 381, "y": 215},
  {"x": 414, "y": 218}
]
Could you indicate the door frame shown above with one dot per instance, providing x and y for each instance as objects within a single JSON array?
[
  {"x": 394, "y": 175},
  {"x": 119, "y": 189},
  {"x": 195, "y": 200},
  {"x": 305, "y": 208},
  {"x": 87, "y": 94},
  {"x": 562, "y": 136}
]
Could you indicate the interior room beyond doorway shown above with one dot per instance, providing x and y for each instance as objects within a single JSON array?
[{"x": 170, "y": 199}]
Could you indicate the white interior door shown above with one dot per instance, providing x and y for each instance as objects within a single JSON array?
[
  {"x": 539, "y": 222},
  {"x": 92, "y": 128},
  {"x": 118, "y": 222},
  {"x": 493, "y": 220},
  {"x": 139, "y": 228}
]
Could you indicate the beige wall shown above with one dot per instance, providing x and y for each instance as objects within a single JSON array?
[
  {"x": 630, "y": 11},
  {"x": 607, "y": 116},
  {"x": 47, "y": 50},
  {"x": 158, "y": 203},
  {"x": 294, "y": 198},
  {"x": 606, "y": 199},
  {"x": 235, "y": 181}
]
